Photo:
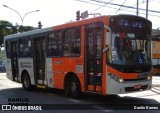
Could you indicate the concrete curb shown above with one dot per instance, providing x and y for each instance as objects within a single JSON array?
[{"x": 155, "y": 85}]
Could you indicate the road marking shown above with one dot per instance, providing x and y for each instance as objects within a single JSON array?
[
  {"x": 102, "y": 109},
  {"x": 74, "y": 100},
  {"x": 156, "y": 91}
]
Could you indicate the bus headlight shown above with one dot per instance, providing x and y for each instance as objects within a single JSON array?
[
  {"x": 114, "y": 77},
  {"x": 120, "y": 80},
  {"x": 149, "y": 77}
]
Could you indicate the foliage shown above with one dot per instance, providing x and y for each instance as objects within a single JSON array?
[
  {"x": 1, "y": 56},
  {"x": 25, "y": 28},
  {"x": 7, "y": 28}
]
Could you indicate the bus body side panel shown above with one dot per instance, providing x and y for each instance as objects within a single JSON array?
[
  {"x": 82, "y": 77},
  {"x": 62, "y": 66},
  {"x": 9, "y": 69},
  {"x": 104, "y": 65},
  {"x": 49, "y": 72},
  {"x": 104, "y": 77},
  {"x": 58, "y": 72},
  {"x": 26, "y": 64}
]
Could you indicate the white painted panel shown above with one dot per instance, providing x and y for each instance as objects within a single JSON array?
[
  {"x": 8, "y": 69},
  {"x": 49, "y": 72},
  {"x": 114, "y": 87},
  {"x": 26, "y": 64}
]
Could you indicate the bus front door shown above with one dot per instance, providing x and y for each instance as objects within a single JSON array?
[
  {"x": 14, "y": 60},
  {"x": 39, "y": 60},
  {"x": 93, "y": 59}
]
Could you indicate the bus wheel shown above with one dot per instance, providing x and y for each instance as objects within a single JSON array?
[
  {"x": 26, "y": 82},
  {"x": 67, "y": 87},
  {"x": 75, "y": 88}
]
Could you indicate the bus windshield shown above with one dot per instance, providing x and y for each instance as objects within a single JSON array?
[{"x": 130, "y": 49}]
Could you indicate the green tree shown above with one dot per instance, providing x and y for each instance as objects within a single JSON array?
[
  {"x": 24, "y": 28},
  {"x": 7, "y": 28}
]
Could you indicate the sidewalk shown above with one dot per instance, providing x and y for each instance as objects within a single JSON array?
[
  {"x": 156, "y": 81},
  {"x": 156, "y": 84}
]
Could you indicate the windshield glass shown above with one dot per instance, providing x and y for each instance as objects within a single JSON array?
[{"x": 129, "y": 49}]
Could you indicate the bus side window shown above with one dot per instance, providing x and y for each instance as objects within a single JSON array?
[
  {"x": 71, "y": 43},
  {"x": 76, "y": 43},
  {"x": 8, "y": 49},
  {"x": 25, "y": 48},
  {"x": 54, "y": 44}
]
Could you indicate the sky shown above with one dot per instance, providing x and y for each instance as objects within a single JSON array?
[{"x": 56, "y": 12}]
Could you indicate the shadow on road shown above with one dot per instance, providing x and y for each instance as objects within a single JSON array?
[{"x": 45, "y": 96}]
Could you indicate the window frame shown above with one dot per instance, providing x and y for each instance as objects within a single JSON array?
[
  {"x": 63, "y": 31},
  {"x": 31, "y": 48},
  {"x": 70, "y": 29},
  {"x": 47, "y": 41},
  {"x": 8, "y": 50}
]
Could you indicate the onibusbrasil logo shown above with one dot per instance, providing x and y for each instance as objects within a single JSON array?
[
  {"x": 20, "y": 104},
  {"x": 20, "y": 108}
]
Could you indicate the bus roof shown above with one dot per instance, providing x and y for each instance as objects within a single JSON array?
[
  {"x": 105, "y": 19},
  {"x": 58, "y": 27},
  {"x": 32, "y": 32}
]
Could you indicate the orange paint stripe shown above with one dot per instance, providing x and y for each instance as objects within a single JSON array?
[
  {"x": 123, "y": 75},
  {"x": 91, "y": 88},
  {"x": 78, "y": 23},
  {"x": 99, "y": 88},
  {"x": 104, "y": 66}
]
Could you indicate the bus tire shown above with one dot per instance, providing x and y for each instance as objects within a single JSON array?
[
  {"x": 26, "y": 82},
  {"x": 75, "y": 88},
  {"x": 67, "y": 86}
]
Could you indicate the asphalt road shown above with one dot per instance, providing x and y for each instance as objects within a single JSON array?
[{"x": 54, "y": 101}]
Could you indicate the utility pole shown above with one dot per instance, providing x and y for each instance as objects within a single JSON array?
[
  {"x": 147, "y": 9},
  {"x": 22, "y": 18},
  {"x": 137, "y": 7}
]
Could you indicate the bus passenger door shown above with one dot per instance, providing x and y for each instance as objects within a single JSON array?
[
  {"x": 39, "y": 60},
  {"x": 93, "y": 59},
  {"x": 14, "y": 60}
]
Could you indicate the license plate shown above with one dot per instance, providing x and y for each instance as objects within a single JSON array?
[{"x": 137, "y": 86}]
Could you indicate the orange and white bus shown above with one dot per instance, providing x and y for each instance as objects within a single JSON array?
[
  {"x": 155, "y": 56},
  {"x": 104, "y": 55}
]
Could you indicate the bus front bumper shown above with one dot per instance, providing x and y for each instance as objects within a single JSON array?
[{"x": 115, "y": 87}]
